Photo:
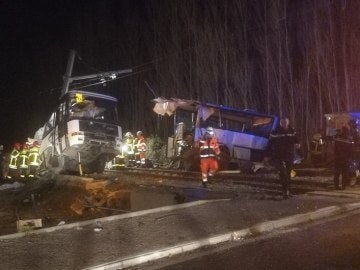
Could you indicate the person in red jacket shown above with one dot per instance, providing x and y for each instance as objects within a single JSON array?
[
  {"x": 209, "y": 154},
  {"x": 140, "y": 149}
]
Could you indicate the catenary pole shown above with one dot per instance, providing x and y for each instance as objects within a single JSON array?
[{"x": 68, "y": 79}]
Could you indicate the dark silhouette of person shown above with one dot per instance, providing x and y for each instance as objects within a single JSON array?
[
  {"x": 282, "y": 144},
  {"x": 343, "y": 145}
]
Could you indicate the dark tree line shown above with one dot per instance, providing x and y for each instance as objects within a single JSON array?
[
  {"x": 290, "y": 58},
  {"x": 295, "y": 58}
]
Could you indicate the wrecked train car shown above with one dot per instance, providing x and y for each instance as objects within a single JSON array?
[{"x": 82, "y": 134}]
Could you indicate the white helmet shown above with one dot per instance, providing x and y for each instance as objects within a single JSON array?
[
  {"x": 128, "y": 134},
  {"x": 139, "y": 133},
  {"x": 210, "y": 131}
]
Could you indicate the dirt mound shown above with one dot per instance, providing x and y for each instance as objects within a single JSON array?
[{"x": 67, "y": 200}]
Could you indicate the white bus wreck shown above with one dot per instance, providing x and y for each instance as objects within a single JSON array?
[{"x": 243, "y": 134}]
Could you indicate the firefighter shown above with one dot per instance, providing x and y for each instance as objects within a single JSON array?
[
  {"x": 118, "y": 162},
  {"x": 343, "y": 152},
  {"x": 140, "y": 149},
  {"x": 282, "y": 144},
  {"x": 126, "y": 155},
  {"x": 13, "y": 164},
  {"x": 34, "y": 158},
  {"x": 23, "y": 161},
  {"x": 128, "y": 150},
  {"x": 209, "y": 154}
]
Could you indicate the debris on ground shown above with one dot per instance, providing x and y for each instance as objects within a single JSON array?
[
  {"x": 30, "y": 205},
  {"x": 28, "y": 225}
]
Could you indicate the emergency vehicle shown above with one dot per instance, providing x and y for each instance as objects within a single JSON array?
[
  {"x": 82, "y": 134},
  {"x": 243, "y": 134}
]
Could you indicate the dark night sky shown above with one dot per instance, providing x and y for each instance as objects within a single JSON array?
[
  {"x": 36, "y": 39},
  {"x": 149, "y": 36}
]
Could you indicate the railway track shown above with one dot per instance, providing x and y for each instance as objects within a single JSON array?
[{"x": 230, "y": 179}]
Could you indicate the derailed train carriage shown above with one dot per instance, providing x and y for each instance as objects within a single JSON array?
[
  {"x": 243, "y": 134},
  {"x": 81, "y": 135}
]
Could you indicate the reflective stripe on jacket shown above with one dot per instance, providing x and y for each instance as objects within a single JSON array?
[
  {"x": 209, "y": 147},
  {"x": 23, "y": 159},
  {"x": 13, "y": 159},
  {"x": 129, "y": 148},
  {"x": 34, "y": 157},
  {"x": 141, "y": 144}
]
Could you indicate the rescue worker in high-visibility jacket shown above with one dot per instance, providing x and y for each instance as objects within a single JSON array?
[
  {"x": 128, "y": 150},
  {"x": 23, "y": 161},
  {"x": 120, "y": 160},
  {"x": 34, "y": 158},
  {"x": 140, "y": 149},
  {"x": 209, "y": 154},
  {"x": 13, "y": 164}
]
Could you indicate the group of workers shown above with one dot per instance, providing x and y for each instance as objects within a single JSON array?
[
  {"x": 282, "y": 148},
  {"x": 24, "y": 161},
  {"x": 346, "y": 154},
  {"x": 132, "y": 153}
]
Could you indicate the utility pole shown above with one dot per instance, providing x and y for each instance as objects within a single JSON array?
[{"x": 69, "y": 68}]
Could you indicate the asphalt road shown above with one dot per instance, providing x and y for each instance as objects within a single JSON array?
[
  {"x": 329, "y": 244},
  {"x": 132, "y": 238}
]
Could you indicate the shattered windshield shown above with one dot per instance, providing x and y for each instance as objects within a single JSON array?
[{"x": 82, "y": 106}]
